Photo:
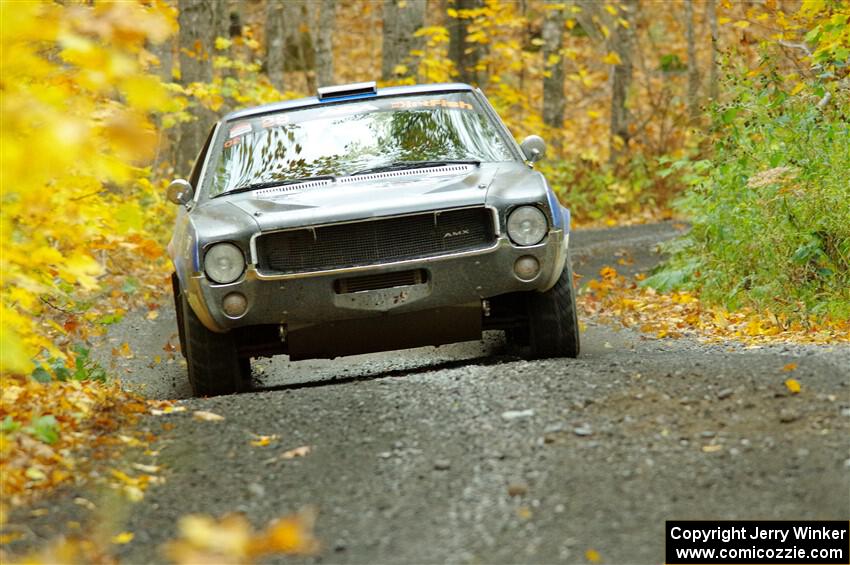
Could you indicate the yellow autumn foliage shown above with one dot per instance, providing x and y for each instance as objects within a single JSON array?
[{"x": 76, "y": 131}]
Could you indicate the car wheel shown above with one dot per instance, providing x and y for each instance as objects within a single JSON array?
[
  {"x": 214, "y": 364},
  {"x": 552, "y": 319},
  {"x": 178, "y": 309}
]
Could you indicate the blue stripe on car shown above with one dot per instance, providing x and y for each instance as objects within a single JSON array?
[
  {"x": 555, "y": 206},
  {"x": 348, "y": 97}
]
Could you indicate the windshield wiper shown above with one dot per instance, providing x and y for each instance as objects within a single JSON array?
[
  {"x": 273, "y": 184},
  {"x": 399, "y": 165}
]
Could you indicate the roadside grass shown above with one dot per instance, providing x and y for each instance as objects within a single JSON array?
[{"x": 770, "y": 210}]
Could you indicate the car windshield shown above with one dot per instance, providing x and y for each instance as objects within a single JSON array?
[{"x": 348, "y": 138}]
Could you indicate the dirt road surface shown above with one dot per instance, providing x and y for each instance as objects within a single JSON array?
[{"x": 462, "y": 454}]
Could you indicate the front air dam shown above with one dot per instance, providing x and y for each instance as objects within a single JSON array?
[{"x": 386, "y": 333}]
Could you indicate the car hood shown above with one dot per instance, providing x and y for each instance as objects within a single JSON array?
[{"x": 373, "y": 196}]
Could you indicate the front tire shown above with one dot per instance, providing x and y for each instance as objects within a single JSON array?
[
  {"x": 213, "y": 361},
  {"x": 178, "y": 310},
  {"x": 553, "y": 321}
]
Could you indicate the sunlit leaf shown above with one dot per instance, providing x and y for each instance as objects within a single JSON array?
[
  {"x": 122, "y": 538},
  {"x": 793, "y": 386},
  {"x": 302, "y": 451},
  {"x": 205, "y": 416},
  {"x": 612, "y": 59}
]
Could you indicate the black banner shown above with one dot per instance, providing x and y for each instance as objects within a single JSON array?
[{"x": 760, "y": 542}]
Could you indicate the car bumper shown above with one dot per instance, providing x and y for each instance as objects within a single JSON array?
[{"x": 306, "y": 299}]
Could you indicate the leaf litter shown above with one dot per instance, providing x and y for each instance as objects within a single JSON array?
[{"x": 615, "y": 299}]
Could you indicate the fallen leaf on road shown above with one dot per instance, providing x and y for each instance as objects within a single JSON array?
[
  {"x": 793, "y": 385},
  {"x": 292, "y": 535},
  {"x": 205, "y": 416},
  {"x": 515, "y": 414},
  {"x": 167, "y": 410},
  {"x": 123, "y": 351},
  {"x": 302, "y": 451},
  {"x": 122, "y": 538},
  {"x": 146, "y": 468},
  {"x": 517, "y": 489},
  {"x": 204, "y": 539},
  {"x": 153, "y": 315},
  {"x": 608, "y": 273},
  {"x": 129, "y": 440},
  {"x": 711, "y": 448},
  {"x": 263, "y": 441},
  {"x": 789, "y": 367},
  {"x": 592, "y": 555},
  {"x": 85, "y": 503}
]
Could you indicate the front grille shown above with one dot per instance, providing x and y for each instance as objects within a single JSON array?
[
  {"x": 374, "y": 242},
  {"x": 377, "y": 282}
]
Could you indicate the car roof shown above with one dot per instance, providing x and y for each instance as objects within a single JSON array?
[{"x": 314, "y": 100}]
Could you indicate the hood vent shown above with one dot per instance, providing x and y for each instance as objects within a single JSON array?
[
  {"x": 278, "y": 190},
  {"x": 444, "y": 169},
  {"x": 290, "y": 188}
]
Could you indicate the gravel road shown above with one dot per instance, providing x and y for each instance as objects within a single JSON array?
[{"x": 462, "y": 454}]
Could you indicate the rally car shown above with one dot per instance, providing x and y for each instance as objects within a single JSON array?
[{"x": 362, "y": 220}]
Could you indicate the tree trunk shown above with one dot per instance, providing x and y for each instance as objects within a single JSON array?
[
  {"x": 693, "y": 70},
  {"x": 324, "y": 43},
  {"x": 590, "y": 10},
  {"x": 222, "y": 20},
  {"x": 712, "y": 81},
  {"x": 622, "y": 42},
  {"x": 275, "y": 44},
  {"x": 165, "y": 53},
  {"x": 299, "y": 42},
  {"x": 232, "y": 30},
  {"x": 464, "y": 55},
  {"x": 289, "y": 43},
  {"x": 553, "y": 77},
  {"x": 200, "y": 22},
  {"x": 401, "y": 20}
]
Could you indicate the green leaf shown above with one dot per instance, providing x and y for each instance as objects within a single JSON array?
[
  {"x": 130, "y": 285},
  {"x": 8, "y": 425},
  {"x": 60, "y": 371},
  {"x": 109, "y": 319},
  {"x": 667, "y": 280},
  {"x": 41, "y": 375},
  {"x": 728, "y": 116},
  {"x": 45, "y": 428}
]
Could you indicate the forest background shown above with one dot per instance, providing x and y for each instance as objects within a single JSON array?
[{"x": 731, "y": 115}]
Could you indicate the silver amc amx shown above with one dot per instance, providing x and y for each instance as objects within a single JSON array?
[{"x": 366, "y": 220}]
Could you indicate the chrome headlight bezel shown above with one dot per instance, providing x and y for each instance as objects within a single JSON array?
[
  {"x": 224, "y": 263},
  {"x": 527, "y": 225}
]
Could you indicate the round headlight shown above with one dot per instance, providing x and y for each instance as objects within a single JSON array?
[
  {"x": 527, "y": 225},
  {"x": 224, "y": 263}
]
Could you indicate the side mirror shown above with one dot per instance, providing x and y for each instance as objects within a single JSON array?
[
  {"x": 533, "y": 147},
  {"x": 180, "y": 191}
]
